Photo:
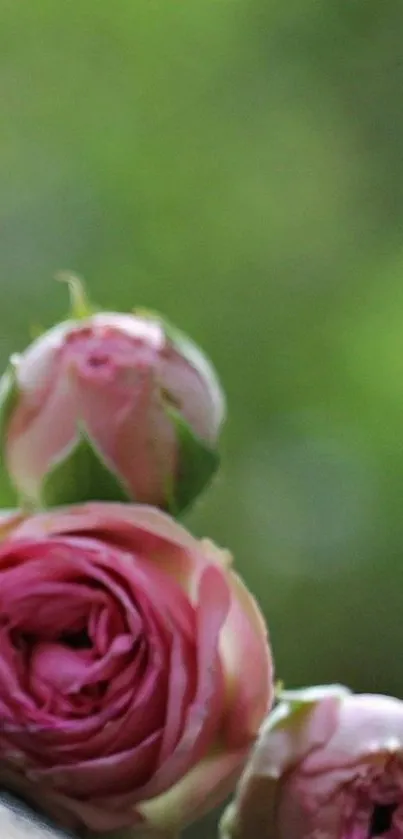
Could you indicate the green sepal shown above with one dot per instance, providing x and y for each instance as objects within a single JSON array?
[
  {"x": 197, "y": 465},
  {"x": 307, "y": 696},
  {"x": 9, "y": 393},
  {"x": 82, "y": 475},
  {"x": 292, "y": 703},
  {"x": 80, "y": 306}
]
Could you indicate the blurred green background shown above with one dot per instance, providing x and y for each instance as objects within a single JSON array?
[{"x": 238, "y": 165}]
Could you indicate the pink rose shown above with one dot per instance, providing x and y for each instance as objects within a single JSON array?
[
  {"x": 128, "y": 391},
  {"x": 134, "y": 668},
  {"x": 327, "y": 765}
]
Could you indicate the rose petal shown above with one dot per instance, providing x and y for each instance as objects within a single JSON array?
[
  {"x": 116, "y": 773},
  {"x": 108, "y": 517},
  {"x": 367, "y": 725},
  {"x": 44, "y": 424},
  {"x": 247, "y": 664},
  {"x": 204, "y": 715}
]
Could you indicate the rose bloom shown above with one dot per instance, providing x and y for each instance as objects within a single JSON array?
[
  {"x": 327, "y": 765},
  {"x": 123, "y": 378},
  {"x": 134, "y": 668}
]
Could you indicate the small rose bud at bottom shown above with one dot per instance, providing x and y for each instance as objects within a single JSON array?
[{"x": 327, "y": 763}]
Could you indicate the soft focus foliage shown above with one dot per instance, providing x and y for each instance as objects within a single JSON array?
[{"x": 237, "y": 165}]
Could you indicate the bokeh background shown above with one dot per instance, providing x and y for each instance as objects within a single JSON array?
[{"x": 238, "y": 165}]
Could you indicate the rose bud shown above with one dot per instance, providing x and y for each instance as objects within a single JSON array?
[
  {"x": 134, "y": 669},
  {"x": 111, "y": 407},
  {"x": 328, "y": 764}
]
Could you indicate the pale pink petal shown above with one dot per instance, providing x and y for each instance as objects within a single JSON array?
[
  {"x": 139, "y": 528},
  {"x": 114, "y": 518},
  {"x": 38, "y": 434},
  {"x": 367, "y": 725},
  {"x": 284, "y": 742},
  {"x": 104, "y": 776},
  {"x": 247, "y": 666}
]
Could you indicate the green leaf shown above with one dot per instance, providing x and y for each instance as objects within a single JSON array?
[
  {"x": 197, "y": 465},
  {"x": 9, "y": 393},
  {"x": 82, "y": 475}
]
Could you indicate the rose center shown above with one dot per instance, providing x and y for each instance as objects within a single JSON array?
[
  {"x": 98, "y": 360},
  {"x": 77, "y": 640},
  {"x": 381, "y": 819}
]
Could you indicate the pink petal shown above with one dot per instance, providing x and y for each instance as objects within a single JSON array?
[
  {"x": 367, "y": 725},
  {"x": 120, "y": 519},
  {"x": 247, "y": 664},
  {"x": 204, "y": 715},
  {"x": 103, "y": 776}
]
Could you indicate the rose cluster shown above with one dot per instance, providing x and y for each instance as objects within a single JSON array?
[
  {"x": 136, "y": 677},
  {"x": 135, "y": 669}
]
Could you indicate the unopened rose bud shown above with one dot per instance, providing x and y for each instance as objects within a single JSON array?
[
  {"x": 111, "y": 407},
  {"x": 327, "y": 765}
]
